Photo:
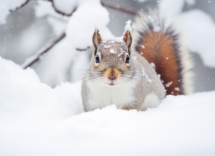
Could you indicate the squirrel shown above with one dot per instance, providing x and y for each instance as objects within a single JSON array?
[{"x": 139, "y": 71}]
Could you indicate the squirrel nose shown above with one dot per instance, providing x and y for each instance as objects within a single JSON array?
[{"x": 112, "y": 77}]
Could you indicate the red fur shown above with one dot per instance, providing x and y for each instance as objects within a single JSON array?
[{"x": 159, "y": 49}]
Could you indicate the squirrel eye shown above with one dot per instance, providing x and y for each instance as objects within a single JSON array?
[
  {"x": 97, "y": 59},
  {"x": 127, "y": 59}
]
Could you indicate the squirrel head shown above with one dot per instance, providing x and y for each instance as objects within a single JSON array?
[{"x": 112, "y": 58}]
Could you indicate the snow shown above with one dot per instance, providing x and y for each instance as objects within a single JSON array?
[
  {"x": 152, "y": 64},
  {"x": 68, "y": 64},
  {"x": 95, "y": 16},
  {"x": 128, "y": 26},
  {"x": 44, "y": 8},
  {"x": 112, "y": 51},
  {"x": 176, "y": 88},
  {"x": 168, "y": 84},
  {"x": 55, "y": 65},
  {"x": 79, "y": 30},
  {"x": 56, "y": 20},
  {"x": 65, "y": 6},
  {"x": 107, "y": 46},
  {"x": 4, "y": 13},
  {"x": 35, "y": 41},
  {"x": 198, "y": 33},
  {"x": 190, "y": 2},
  {"x": 146, "y": 75},
  {"x": 38, "y": 120},
  {"x": 120, "y": 54},
  {"x": 172, "y": 8}
]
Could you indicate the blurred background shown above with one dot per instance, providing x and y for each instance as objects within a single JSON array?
[{"x": 30, "y": 28}]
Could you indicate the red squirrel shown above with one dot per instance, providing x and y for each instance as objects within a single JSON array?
[{"x": 140, "y": 70}]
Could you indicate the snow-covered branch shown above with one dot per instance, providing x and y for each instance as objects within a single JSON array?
[
  {"x": 118, "y": 8},
  {"x": 72, "y": 6},
  {"x": 31, "y": 60}
]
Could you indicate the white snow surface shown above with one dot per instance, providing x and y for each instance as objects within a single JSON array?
[
  {"x": 81, "y": 26},
  {"x": 38, "y": 120}
]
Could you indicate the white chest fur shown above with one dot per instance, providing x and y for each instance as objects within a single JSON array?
[{"x": 101, "y": 95}]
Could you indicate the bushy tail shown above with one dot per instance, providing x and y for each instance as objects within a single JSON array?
[{"x": 160, "y": 44}]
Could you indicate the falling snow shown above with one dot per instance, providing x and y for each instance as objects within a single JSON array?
[
  {"x": 112, "y": 51},
  {"x": 146, "y": 75}
]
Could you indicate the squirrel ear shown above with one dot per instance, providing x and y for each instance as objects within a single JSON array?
[
  {"x": 128, "y": 40},
  {"x": 96, "y": 40}
]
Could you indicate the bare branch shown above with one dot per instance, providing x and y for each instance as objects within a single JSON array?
[
  {"x": 26, "y": 2},
  {"x": 22, "y": 5},
  {"x": 31, "y": 60},
  {"x": 102, "y": 3},
  {"x": 79, "y": 49},
  {"x": 60, "y": 12},
  {"x": 118, "y": 8}
]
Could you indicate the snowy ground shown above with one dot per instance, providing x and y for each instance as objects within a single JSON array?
[{"x": 38, "y": 120}]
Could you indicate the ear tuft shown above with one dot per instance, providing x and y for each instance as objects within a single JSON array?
[
  {"x": 128, "y": 40},
  {"x": 96, "y": 40}
]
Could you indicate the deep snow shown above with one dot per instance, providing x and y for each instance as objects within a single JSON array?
[{"x": 38, "y": 120}]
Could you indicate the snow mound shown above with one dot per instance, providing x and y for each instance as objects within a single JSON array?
[
  {"x": 38, "y": 120},
  {"x": 82, "y": 24}
]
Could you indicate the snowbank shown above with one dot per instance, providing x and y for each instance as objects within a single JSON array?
[{"x": 38, "y": 120}]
